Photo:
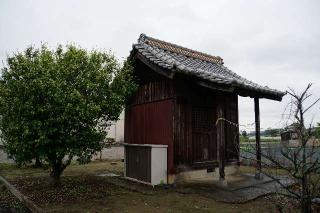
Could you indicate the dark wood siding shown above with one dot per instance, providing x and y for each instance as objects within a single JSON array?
[
  {"x": 194, "y": 126},
  {"x": 231, "y": 130},
  {"x": 195, "y": 115},
  {"x": 170, "y": 111},
  {"x": 182, "y": 134},
  {"x": 151, "y": 123},
  {"x": 138, "y": 162},
  {"x": 204, "y": 143},
  {"x": 153, "y": 91}
]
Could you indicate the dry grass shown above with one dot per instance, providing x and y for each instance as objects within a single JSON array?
[
  {"x": 171, "y": 202},
  {"x": 11, "y": 171},
  {"x": 82, "y": 191},
  {"x": 271, "y": 171}
]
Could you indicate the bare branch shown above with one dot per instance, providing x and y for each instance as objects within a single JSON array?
[
  {"x": 314, "y": 103},
  {"x": 301, "y": 163}
]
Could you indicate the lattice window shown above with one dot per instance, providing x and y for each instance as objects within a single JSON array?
[{"x": 202, "y": 119}]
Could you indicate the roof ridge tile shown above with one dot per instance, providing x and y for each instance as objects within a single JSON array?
[{"x": 179, "y": 49}]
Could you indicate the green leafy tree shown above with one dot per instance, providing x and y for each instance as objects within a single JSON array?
[
  {"x": 317, "y": 129},
  {"x": 244, "y": 134},
  {"x": 55, "y": 105},
  {"x": 272, "y": 132}
]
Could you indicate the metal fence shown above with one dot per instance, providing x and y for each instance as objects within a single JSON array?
[{"x": 275, "y": 152}]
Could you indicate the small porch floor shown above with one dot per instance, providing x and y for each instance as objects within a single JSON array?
[{"x": 239, "y": 188}]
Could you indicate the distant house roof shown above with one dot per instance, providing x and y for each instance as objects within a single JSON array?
[{"x": 208, "y": 69}]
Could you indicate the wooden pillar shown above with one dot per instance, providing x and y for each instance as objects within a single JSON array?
[
  {"x": 258, "y": 139},
  {"x": 221, "y": 139}
]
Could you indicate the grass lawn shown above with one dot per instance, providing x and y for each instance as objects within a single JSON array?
[{"x": 82, "y": 191}]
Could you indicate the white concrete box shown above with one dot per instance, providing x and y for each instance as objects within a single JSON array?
[{"x": 146, "y": 163}]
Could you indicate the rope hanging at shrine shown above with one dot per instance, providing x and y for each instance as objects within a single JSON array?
[{"x": 233, "y": 123}]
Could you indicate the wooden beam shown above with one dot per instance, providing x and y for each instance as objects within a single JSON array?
[
  {"x": 221, "y": 138},
  {"x": 154, "y": 67},
  {"x": 21, "y": 197},
  {"x": 258, "y": 139}
]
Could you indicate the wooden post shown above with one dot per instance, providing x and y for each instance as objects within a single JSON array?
[
  {"x": 221, "y": 139},
  {"x": 258, "y": 145}
]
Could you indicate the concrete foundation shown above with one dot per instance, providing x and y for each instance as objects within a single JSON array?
[
  {"x": 112, "y": 153},
  {"x": 190, "y": 176}
]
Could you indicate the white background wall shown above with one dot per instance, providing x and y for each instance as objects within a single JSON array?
[{"x": 116, "y": 130}]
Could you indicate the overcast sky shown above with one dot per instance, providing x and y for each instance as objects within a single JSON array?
[{"x": 274, "y": 43}]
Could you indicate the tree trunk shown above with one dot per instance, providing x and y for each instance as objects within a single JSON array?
[
  {"x": 38, "y": 163},
  {"x": 58, "y": 167},
  {"x": 55, "y": 175},
  {"x": 56, "y": 172},
  {"x": 306, "y": 205}
]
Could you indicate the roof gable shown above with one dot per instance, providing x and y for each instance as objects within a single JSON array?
[
  {"x": 180, "y": 50},
  {"x": 177, "y": 59}
]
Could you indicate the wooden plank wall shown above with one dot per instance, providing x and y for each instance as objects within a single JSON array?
[
  {"x": 161, "y": 113},
  {"x": 232, "y": 131},
  {"x": 189, "y": 147},
  {"x": 153, "y": 91},
  {"x": 183, "y": 153},
  {"x": 149, "y": 117}
]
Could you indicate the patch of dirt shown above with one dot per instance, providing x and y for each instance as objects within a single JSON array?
[
  {"x": 71, "y": 189},
  {"x": 82, "y": 191},
  {"x": 8, "y": 203},
  {"x": 101, "y": 194}
]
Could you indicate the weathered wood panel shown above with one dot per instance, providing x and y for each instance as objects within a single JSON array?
[
  {"x": 195, "y": 115},
  {"x": 204, "y": 143},
  {"x": 182, "y": 115},
  {"x": 182, "y": 134},
  {"x": 151, "y": 123},
  {"x": 231, "y": 128},
  {"x": 221, "y": 138},
  {"x": 153, "y": 91},
  {"x": 194, "y": 129}
]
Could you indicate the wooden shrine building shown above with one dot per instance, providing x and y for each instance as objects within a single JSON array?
[{"x": 188, "y": 101}]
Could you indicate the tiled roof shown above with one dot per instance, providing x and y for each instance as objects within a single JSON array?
[{"x": 206, "y": 67}]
